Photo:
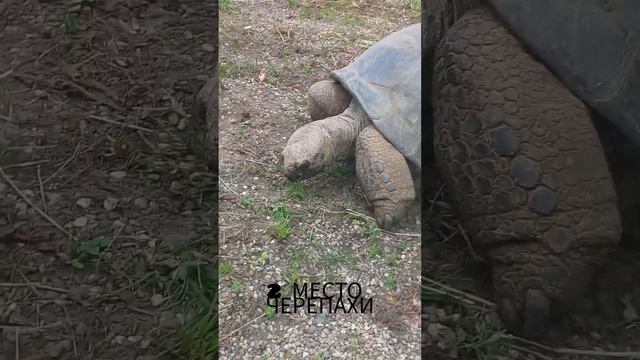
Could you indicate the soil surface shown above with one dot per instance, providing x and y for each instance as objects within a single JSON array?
[
  {"x": 106, "y": 217},
  {"x": 316, "y": 230}
]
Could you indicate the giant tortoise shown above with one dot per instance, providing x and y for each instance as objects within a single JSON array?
[
  {"x": 371, "y": 108},
  {"x": 518, "y": 91}
]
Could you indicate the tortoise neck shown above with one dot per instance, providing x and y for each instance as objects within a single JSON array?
[{"x": 356, "y": 112}]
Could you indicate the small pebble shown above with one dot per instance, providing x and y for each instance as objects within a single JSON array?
[
  {"x": 83, "y": 202},
  {"x": 80, "y": 222},
  {"x": 176, "y": 186},
  {"x": 182, "y": 124},
  {"x": 156, "y": 300},
  {"x": 110, "y": 203},
  {"x": 118, "y": 174},
  {"x": 141, "y": 203}
]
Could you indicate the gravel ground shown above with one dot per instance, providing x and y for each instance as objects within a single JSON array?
[{"x": 273, "y": 230}]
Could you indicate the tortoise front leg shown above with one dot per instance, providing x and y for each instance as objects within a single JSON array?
[{"x": 384, "y": 176}]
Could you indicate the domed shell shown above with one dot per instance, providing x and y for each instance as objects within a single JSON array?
[
  {"x": 385, "y": 81},
  {"x": 592, "y": 46}
]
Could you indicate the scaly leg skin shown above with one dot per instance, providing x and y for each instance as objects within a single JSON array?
[
  {"x": 385, "y": 177},
  {"x": 327, "y": 98},
  {"x": 525, "y": 168},
  {"x": 321, "y": 143}
]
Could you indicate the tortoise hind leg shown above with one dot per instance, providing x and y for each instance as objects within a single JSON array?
[
  {"x": 385, "y": 177},
  {"x": 525, "y": 168}
]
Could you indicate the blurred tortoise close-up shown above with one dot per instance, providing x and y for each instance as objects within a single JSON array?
[{"x": 524, "y": 97}]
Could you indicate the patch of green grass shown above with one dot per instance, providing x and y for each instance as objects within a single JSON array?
[
  {"x": 236, "y": 287},
  {"x": 242, "y": 129},
  {"x": 225, "y": 5},
  {"x": 416, "y": 5},
  {"x": 270, "y": 313},
  {"x": 287, "y": 54},
  {"x": 348, "y": 199},
  {"x": 476, "y": 335},
  {"x": 280, "y": 220},
  {"x": 374, "y": 249},
  {"x": 484, "y": 339},
  {"x": 225, "y": 268},
  {"x": 296, "y": 190},
  {"x": 392, "y": 260},
  {"x": 310, "y": 235},
  {"x": 86, "y": 250},
  {"x": 246, "y": 202},
  {"x": 307, "y": 69},
  {"x": 371, "y": 230},
  {"x": 193, "y": 278},
  {"x": 193, "y": 286},
  {"x": 280, "y": 166},
  {"x": 340, "y": 258},
  {"x": 70, "y": 24},
  {"x": 88, "y": 3},
  {"x": 298, "y": 257},
  {"x": 390, "y": 281},
  {"x": 281, "y": 230},
  {"x": 340, "y": 169},
  {"x": 260, "y": 260},
  {"x": 293, "y": 275},
  {"x": 199, "y": 338},
  {"x": 354, "y": 347},
  {"x": 352, "y": 215},
  {"x": 272, "y": 71},
  {"x": 334, "y": 276},
  {"x": 352, "y": 21}
]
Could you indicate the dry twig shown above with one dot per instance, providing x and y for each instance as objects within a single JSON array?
[{"x": 30, "y": 203}]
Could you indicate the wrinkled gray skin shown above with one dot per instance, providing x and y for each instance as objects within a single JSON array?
[{"x": 543, "y": 252}]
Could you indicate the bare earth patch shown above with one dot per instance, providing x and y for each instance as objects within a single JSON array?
[
  {"x": 106, "y": 218},
  {"x": 273, "y": 230}
]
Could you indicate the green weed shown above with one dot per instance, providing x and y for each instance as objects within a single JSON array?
[
  {"x": 270, "y": 313},
  {"x": 86, "y": 250},
  {"x": 225, "y": 268},
  {"x": 280, "y": 219},
  {"x": 374, "y": 249},
  {"x": 246, "y": 202},
  {"x": 296, "y": 190}
]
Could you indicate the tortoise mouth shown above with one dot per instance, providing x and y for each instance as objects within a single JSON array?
[{"x": 298, "y": 170}]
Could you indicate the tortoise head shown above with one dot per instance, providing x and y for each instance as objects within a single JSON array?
[{"x": 307, "y": 152}]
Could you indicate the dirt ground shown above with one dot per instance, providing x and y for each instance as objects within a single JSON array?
[
  {"x": 106, "y": 217},
  {"x": 274, "y": 230}
]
